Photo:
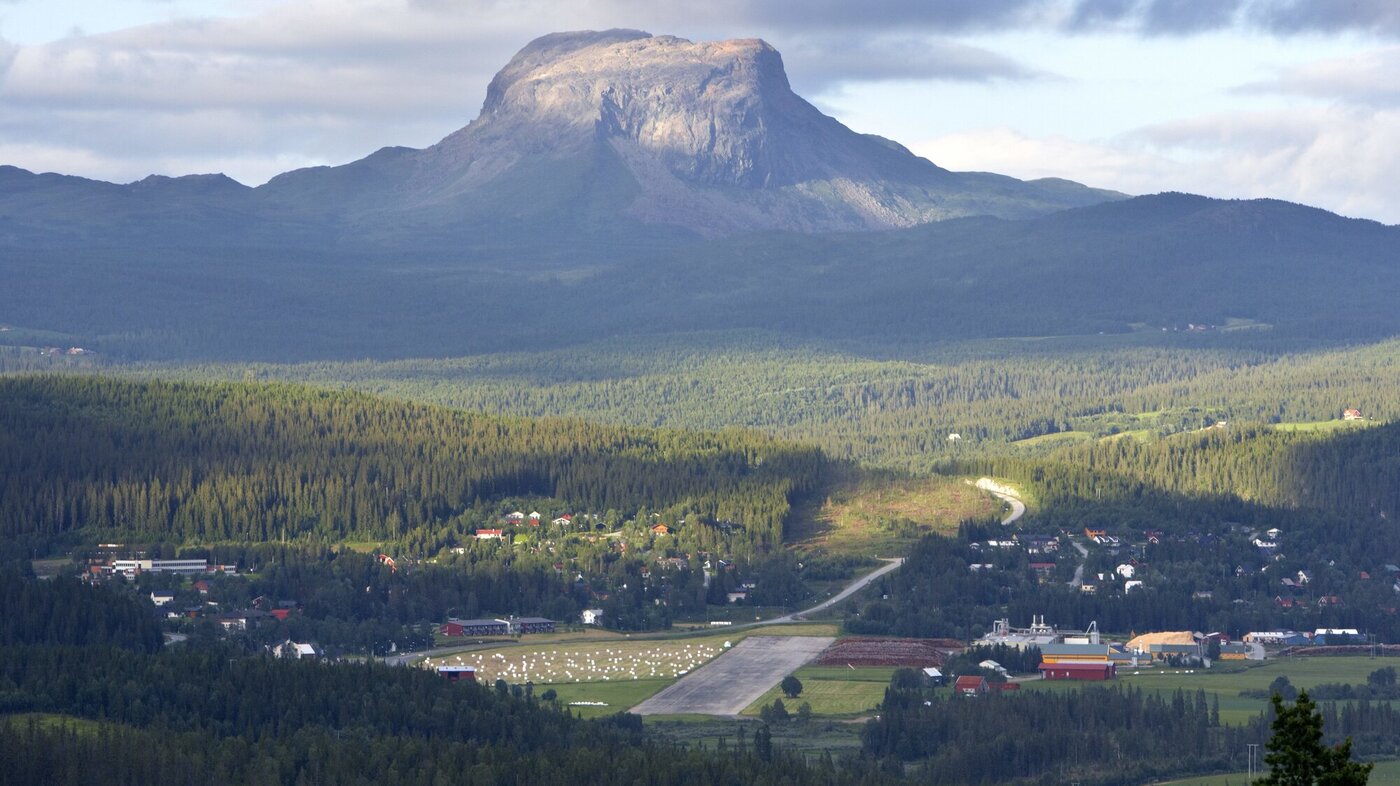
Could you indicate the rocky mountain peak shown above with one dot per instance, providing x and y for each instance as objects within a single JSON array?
[{"x": 709, "y": 111}]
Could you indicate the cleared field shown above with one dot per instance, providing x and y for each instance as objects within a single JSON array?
[
  {"x": 828, "y": 697},
  {"x": 605, "y": 661},
  {"x": 876, "y": 514},
  {"x": 733, "y": 682},
  {"x": 596, "y": 699}
]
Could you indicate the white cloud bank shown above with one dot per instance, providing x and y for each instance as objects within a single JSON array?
[{"x": 1343, "y": 159}]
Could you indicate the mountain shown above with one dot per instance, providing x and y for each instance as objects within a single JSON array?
[
  {"x": 581, "y": 133},
  {"x": 618, "y": 183}
]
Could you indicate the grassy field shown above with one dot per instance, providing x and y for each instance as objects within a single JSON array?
[
  {"x": 1325, "y": 426},
  {"x": 881, "y": 513},
  {"x": 606, "y": 698},
  {"x": 833, "y": 690},
  {"x": 1226, "y": 682},
  {"x": 1386, "y": 773}
]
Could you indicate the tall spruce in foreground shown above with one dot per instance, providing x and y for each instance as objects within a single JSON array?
[{"x": 1297, "y": 756}]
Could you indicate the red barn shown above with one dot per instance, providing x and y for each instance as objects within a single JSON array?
[
  {"x": 1079, "y": 671},
  {"x": 457, "y": 673}
]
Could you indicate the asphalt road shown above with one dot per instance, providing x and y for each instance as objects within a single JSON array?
[{"x": 736, "y": 679}]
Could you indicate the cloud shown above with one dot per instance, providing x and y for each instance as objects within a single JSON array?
[
  {"x": 816, "y": 63},
  {"x": 1339, "y": 158},
  {"x": 1368, "y": 79}
]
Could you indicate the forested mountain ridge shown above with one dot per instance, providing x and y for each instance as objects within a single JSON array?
[
  {"x": 234, "y": 462},
  {"x": 1166, "y": 262}
]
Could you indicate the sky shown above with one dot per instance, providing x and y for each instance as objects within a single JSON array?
[{"x": 1290, "y": 99}]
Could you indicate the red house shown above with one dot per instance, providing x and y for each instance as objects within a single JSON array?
[
  {"x": 1095, "y": 672},
  {"x": 971, "y": 686}
]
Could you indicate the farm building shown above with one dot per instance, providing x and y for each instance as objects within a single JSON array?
[
  {"x": 457, "y": 673},
  {"x": 971, "y": 686},
  {"x": 934, "y": 676},
  {"x": 1096, "y": 672}
]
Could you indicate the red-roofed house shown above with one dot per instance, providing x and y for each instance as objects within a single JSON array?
[{"x": 971, "y": 685}]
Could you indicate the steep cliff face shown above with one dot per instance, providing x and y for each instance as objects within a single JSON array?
[{"x": 714, "y": 139}]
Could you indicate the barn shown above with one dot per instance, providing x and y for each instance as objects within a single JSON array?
[
  {"x": 457, "y": 673},
  {"x": 1096, "y": 672}
]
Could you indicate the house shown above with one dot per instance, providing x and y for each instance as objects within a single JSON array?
[
  {"x": 1351, "y": 414},
  {"x": 1129, "y": 586},
  {"x": 563, "y": 521},
  {"x": 592, "y": 616},
  {"x": 515, "y": 517},
  {"x": 1088, "y": 588},
  {"x": 1094, "y": 672},
  {"x": 971, "y": 686},
  {"x": 296, "y": 651},
  {"x": 736, "y": 597},
  {"x": 1126, "y": 571},
  {"x": 457, "y": 673},
  {"x": 240, "y": 620},
  {"x": 162, "y": 598},
  {"x": 661, "y": 529},
  {"x": 1304, "y": 577},
  {"x": 1094, "y": 534},
  {"x": 489, "y": 534},
  {"x": 934, "y": 676},
  {"x": 535, "y": 518}
]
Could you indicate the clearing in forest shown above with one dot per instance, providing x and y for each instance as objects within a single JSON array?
[{"x": 879, "y": 513}]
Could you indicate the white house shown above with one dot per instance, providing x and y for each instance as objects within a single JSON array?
[
  {"x": 1126, "y": 571},
  {"x": 162, "y": 598},
  {"x": 592, "y": 616}
]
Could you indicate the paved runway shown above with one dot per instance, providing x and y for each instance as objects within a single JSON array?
[{"x": 736, "y": 679}]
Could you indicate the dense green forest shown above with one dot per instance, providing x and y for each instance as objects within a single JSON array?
[
  {"x": 1098, "y": 736},
  {"x": 236, "y": 462},
  {"x": 68, "y": 612},
  {"x": 891, "y": 405},
  {"x": 203, "y": 716}
]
